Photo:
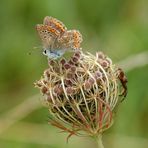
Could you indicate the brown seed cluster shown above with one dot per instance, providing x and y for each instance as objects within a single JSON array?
[{"x": 81, "y": 93}]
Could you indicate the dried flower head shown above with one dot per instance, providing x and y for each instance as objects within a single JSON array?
[{"x": 81, "y": 93}]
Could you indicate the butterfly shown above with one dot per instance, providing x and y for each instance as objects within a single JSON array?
[{"x": 56, "y": 39}]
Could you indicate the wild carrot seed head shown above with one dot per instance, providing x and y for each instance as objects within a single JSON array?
[{"x": 82, "y": 93}]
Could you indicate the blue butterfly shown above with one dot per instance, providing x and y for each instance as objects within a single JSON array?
[{"x": 56, "y": 38}]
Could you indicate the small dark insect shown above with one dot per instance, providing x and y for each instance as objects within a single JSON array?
[{"x": 123, "y": 80}]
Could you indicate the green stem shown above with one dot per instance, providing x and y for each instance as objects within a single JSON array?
[{"x": 99, "y": 142}]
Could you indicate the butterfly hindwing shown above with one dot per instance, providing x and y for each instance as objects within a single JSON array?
[{"x": 71, "y": 39}]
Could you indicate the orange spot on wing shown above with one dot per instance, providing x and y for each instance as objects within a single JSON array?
[
  {"x": 53, "y": 31},
  {"x": 77, "y": 39},
  {"x": 58, "y": 25}
]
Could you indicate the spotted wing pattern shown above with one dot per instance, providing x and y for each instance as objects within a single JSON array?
[{"x": 71, "y": 39}]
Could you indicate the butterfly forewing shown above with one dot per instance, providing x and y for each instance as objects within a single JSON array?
[
  {"x": 55, "y": 24},
  {"x": 47, "y": 34}
]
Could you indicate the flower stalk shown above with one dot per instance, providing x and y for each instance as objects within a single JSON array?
[{"x": 99, "y": 142}]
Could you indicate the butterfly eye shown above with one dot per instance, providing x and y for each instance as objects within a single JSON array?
[{"x": 45, "y": 52}]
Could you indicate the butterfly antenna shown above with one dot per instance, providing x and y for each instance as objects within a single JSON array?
[{"x": 35, "y": 49}]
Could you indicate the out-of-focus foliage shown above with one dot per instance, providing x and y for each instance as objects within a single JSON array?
[{"x": 117, "y": 27}]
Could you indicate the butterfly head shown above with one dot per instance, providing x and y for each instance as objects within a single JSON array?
[{"x": 56, "y": 54}]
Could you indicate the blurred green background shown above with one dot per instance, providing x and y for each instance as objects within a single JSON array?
[{"x": 117, "y": 27}]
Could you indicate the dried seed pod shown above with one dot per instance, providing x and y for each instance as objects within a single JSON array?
[
  {"x": 67, "y": 66},
  {"x": 44, "y": 90},
  {"x": 70, "y": 90},
  {"x": 63, "y": 61},
  {"x": 104, "y": 64},
  {"x": 87, "y": 85},
  {"x": 73, "y": 69},
  {"x": 77, "y": 54},
  {"x": 100, "y": 55},
  {"x": 75, "y": 59},
  {"x": 91, "y": 81},
  {"x": 58, "y": 90},
  {"x": 67, "y": 82},
  {"x": 97, "y": 75},
  {"x": 69, "y": 75}
]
